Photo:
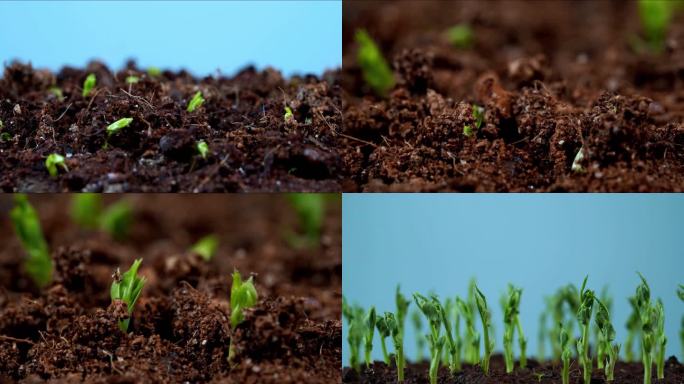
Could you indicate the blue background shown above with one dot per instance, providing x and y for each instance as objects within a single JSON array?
[
  {"x": 292, "y": 36},
  {"x": 538, "y": 242}
]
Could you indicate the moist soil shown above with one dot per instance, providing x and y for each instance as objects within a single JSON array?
[
  {"x": 625, "y": 373},
  {"x": 180, "y": 329},
  {"x": 553, "y": 77},
  {"x": 253, "y": 147}
]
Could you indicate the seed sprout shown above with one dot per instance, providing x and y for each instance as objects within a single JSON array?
[
  {"x": 206, "y": 247},
  {"x": 566, "y": 353},
  {"x": 511, "y": 324},
  {"x": 471, "y": 337},
  {"x": 86, "y": 209},
  {"x": 369, "y": 321},
  {"x": 453, "y": 341},
  {"x": 288, "y": 114},
  {"x": 310, "y": 208},
  {"x": 601, "y": 343},
  {"x": 376, "y": 71},
  {"x": 478, "y": 117},
  {"x": 26, "y": 225},
  {"x": 127, "y": 288},
  {"x": 576, "y": 163},
  {"x": 402, "y": 308},
  {"x": 202, "y": 149},
  {"x": 398, "y": 340},
  {"x": 355, "y": 339},
  {"x": 89, "y": 84},
  {"x": 486, "y": 318},
  {"x": 417, "y": 322},
  {"x": 116, "y": 220},
  {"x": 154, "y": 71},
  {"x": 660, "y": 339},
  {"x": 5, "y": 137},
  {"x": 432, "y": 310},
  {"x": 605, "y": 343},
  {"x": 460, "y": 36},
  {"x": 57, "y": 92},
  {"x": 243, "y": 295},
  {"x": 655, "y": 17},
  {"x": 118, "y": 125},
  {"x": 383, "y": 332},
  {"x": 130, "y": 80},
  {"x": 196, "y": 102},
  {"x": 53, "y": 161},
  {"x": 648, "y": 319},
  {"x": 584, "y": 318}
]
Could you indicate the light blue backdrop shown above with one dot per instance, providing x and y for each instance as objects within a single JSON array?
[
  {"x": 539, "y": 242},
  {"x": 293, "y": 36}
]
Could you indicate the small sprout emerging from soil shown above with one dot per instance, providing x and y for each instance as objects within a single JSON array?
[
  {"x": 383, "y": 332},
  {"x": 132, "y": 80},
  {"x": 601, "y": 344},
  {"x": 471, "y": 338},
  {"x": 243, "y": 295},
  {"x": 86, "y": 209},
  {"x": 118, "y": 125},
  {"x": 478, "y": 116},
  {"x": 453, "y": 341},
  {"x": 53, "y": 161},
  {"x": 369, "y": 321},
  {"x": 27, "y": 227},
  {"x": 117, "y": 219},
  {"x": 5, "y": 137},
  {"x": 607, "y": 332},
  {"x": 89, "y": 84},
  {"x": 655, "y": 18},
  {"x": 460, "y": 36},
  {"x": 398, "y": 340},
  {"x": 196, "y": 102},
  {"x": 584, "y": 318},
  {"x": 511, "y": 323},
  {"x": 566, "y": 353},
  {"x": 577, "y": 162},
  {"x": 660, "y": 339},
  {"x": 203, "y": 149},
  {"x": 486, "y": 318},
  {"x": 288, "y": 114},
  {"x": 432, "y": 310},
  {"x": 648, "y": 319},
  {"x": 310, "y": 208},
  {"x": 57, "y": 91},
  {"x": 127, "y": 288},
  {"x": 376, "y": 71},
  {"x": 356, "y": 332},
  {"x": 206, "y": 247},
  {"x": 153, "y": 71}
]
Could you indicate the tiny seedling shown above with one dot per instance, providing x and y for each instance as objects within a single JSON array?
[
  {"x": 116, "y": 220},
  {"x": 383, "y": 332},
  {"x": 57, "y": 92},
  {"x": 355, "y": 339},
  {"x": 118, "y": 125},
  {"x": 584, "y": 318},
  {"x": 130, "y": 80},
  {"x": 577, "y": 162},
  {"x": 432, "y": 310},
  {"x": 402, "y": 308},
  {"x": 5, "y": 137},
  {"x": 453, "y": 340},
  {"x": 655, "y": 18},
  {"x": 607, "y": 332},
  {"x": 478, "y": 119},
  {"x": 196, "y": 102},
  {"x": 89, "y": 85},
  {"x": 202, "y": 149},
  {"x": 369, "y": 320},
  {"x": 243, "y": 295},
  {"x": 601, "y": 343},
  {"x": 376, "y": 71},
  {"x": 206, "y": 247},
  {"x": 660, "y": 339},
  {"x": 648, "y": 320},
  {"x": 511, "y": 324},
  {"x": 154, "y": 71},
  {"x": 460, "y": 36},
  {"x": 417, "y": 322},
  {"x": 471, "y": 338},
  {"x": 127, "y": 288},
  {"x": 398, "y": 340},
  {"x": 310, "y": 209},
  {"x": 26, "y": 224},
  {"x": 53, "y": 161},
  {"x": 86, "y": 209},
  {"x": 566, "y": 353},
  {"x": 486, "y": 318},
  {"x": 288, "y": 114}
]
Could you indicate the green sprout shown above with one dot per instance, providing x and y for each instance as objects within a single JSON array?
[
  {"x": 601, "y": 343},
  {"x": 655, "y": 17},
  {"x": 310, "y": 209},
  {"x": 384, "y": 332},
  {"x": 118, "y": 125},
  {"x": 196, "y": 102},
  {"x": 376, "y": 71},
  {"x": 206, "y": 247},
  {"x": 288, "y": 114},
  {"x": 432, "y": 311},
  {"x": 369, "y": 321},
  {"x": 356, "y": 332},
  {"x": 564, "y": 301},
  {"x": 5, "y": 137},
  {"x": 611, "y": 351},
  {"x": 402, "y": 308},
  {"x": 541, "y": 337},
  {"x": 471, "y": 338},
  {"x": 202, "y": 149},
  {"x": 460, "y": 36},
  {"x": 633, "y": 326},
  {"x": 117, "y": 219},
  {"x": 584, "y": 318},
  {"x": 486, "y": 318},
  {"x": 57, "y": 91},
  {"x": 648, "y": 320},
  {"x": 453, "y": 341},
  {"x": 398, "y": 340},
  {"x": 660, "y": 339},
  {"x": 566, "y": 353},
  {"x": 52, "y": 161},
  {"x": 243, "y": 295},
  {"x": 417, "y": 322},
  {"x": 127, "y": 288},
  {"x": 478, "y": 117},
  {"x": 89, "y": 84},
  {"x": 154, "y": 71},
  {"x": 511, "y": 324},
  {"x": 86, "y": 209},
  {"x": 26, "y": 225},
  {"x": 130, "y": 80}
]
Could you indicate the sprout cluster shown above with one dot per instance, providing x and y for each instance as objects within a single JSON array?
[
  {"x": 243, "y": 295},
  {"x": 127, "y": 288},
  {"x": 206, "y": 247},
  {"x": 87, "y": 211}
]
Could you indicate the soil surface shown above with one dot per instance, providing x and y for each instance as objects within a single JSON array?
[
  {"x": 253, "y": 147},
  {"x": 625, "y": 373},
  {"x": 180, "y": 329},
  {"x": 553, "y": 77}
]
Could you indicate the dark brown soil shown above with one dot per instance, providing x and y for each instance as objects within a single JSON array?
[
  {"x": 625, "y": 373},
  {"x": 553, "y": 77},
  {"x": 180, "y": 330},
  {"x": 253, "y": 147}
]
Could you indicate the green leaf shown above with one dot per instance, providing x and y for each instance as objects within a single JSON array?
[
  {"x": 27, "y": 227},
  {"x": 376, "y": 71},
  {"x": 195, "y": 102},
  {"x": 460, "y": 36},
  {"x": 86, "y": 209},
  {"x": 116, "y": 220},
  {"x": 132, "y": 79},
  {"x": 52, "y": 161},
  {"x": 288, "y": 114},
  {"x": 127, "y": 289},
  {"x": 206, "y": 247},
  {"x": 242, "y": 295},
  {"x": 89, "y": 84},
  {"x": 118, "y": 125},
  {"x": 154, "y": 71},
  {"x": 57, "y": 91},
  {"x": 203, "y": 149}
]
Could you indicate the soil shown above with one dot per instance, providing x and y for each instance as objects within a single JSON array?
[
  {"x": 553, "y": 77},
  {"x": 625, "y": 373},
  {"x": 252, "y": 146},
  {"x": 180, "y": 329}
]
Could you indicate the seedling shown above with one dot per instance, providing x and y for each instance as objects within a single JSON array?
[
  {"x": 376, "y": 71},
  {"x": 486, "y": 318},
  {"x": 202, "y": 149},
  {"x": 5, "y": 137},
  {"x": 288, "y": 114},
  {"x": 383, "y": 331},
  {"x": 577, "y": 161},
  {"x": 605, "y": 343},
  {"x": 355, "y": 339},
  {"x": 206, "y": 247},
  {"x": 53, "y": 161},
  {"x": 130, "y": 80},
  {"x": 660, "y": 339},
  {"x": 89, "y": 84},
  {"x": 116, "y": 220},
  {"x": 118, "y": 125},
  {"x": 584, "y": 318},
  {"x": 566, "y": 353},
  {"x": 478, "y": 117},
  {"x": 417, "y": 322},
  {"x": 127, "y": 288},
  {"x": 402, "y": 308},
  {"x": 648, "y": 319},
  {"x": 460, "y": 36},
  {"x": 511, "y": 323},
  {"x": 310, "y": 208},
  {"x": 196, "y": 102},
  {"x": 26, "y": 225},
  {"x": 432, "y": 311},
  {"x": 471, "y": 337},
  {"x": 57, "y": 91},
  {"x": 369, "y": 321},
  {"x": 541, "y": 337},
  {"x": 398, "y": 340},
  {"x": 154, "y": 71},
  {"x": 86, "y": 209},
  {"x": 655, "y": 17},
  {"x": 243, "y": 295},
  {"x": 453, "y": 341},
  {"x": 601, "y": 343}
]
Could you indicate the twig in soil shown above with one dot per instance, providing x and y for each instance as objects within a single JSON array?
[
  {"x": 14, "y": 339},
  {"x": 357, "y": 139},
  {"x": 111, "y": 361},
  {"x": 63, "y": 113},
  {"x": 149, "y": 104}
]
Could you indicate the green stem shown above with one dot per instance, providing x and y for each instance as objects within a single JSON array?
[
  {"x": 399, "y": 358},
  {"x": 648, "y": 362},
  {"x": 487, "y": 350},
  {"x": 522, "y": 342},
  {"x": 660, "y": 366},
  {"x": 586, "y": 360},
  {"x": 566, "y": 371},
  {"x": 385, "y": 356}
]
